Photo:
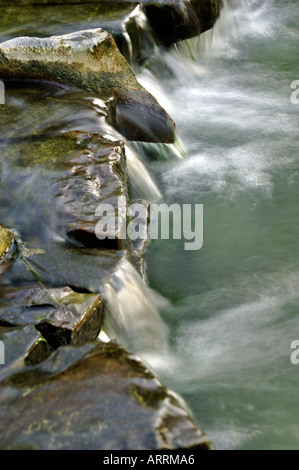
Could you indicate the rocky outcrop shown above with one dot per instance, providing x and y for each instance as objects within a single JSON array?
[
  {"x": 132, "y": 24},
  {"x": 62, "y": 388},
  {"x": 95, "y": 397},
  {"x": 61, "y": 315},
  {"x": 90, "y": 60},
  {"x": 174, "y": 21}
]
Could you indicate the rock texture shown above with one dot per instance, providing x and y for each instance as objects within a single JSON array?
[
  {"x": 135, "y": 26},
  {"x": 174, "y": 21},
  {"x": 90, "y": 60},
  {"x": 95, "y": 397},
  {"x": 62, "y": 315},
  {"x": 60, "y": 387}
]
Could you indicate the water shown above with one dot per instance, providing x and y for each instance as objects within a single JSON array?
[
  {"x": 235, "y": 303},
  {"x": 230, "y": 310}
]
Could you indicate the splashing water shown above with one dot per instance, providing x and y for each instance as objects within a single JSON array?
[
  {"x": 235, "y": 303},
  {"x": 132, "y": 317}
]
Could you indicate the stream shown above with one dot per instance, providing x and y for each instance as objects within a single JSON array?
[
  {"x": 234, "y": 303},
  {"x": 215, "y": 325}
]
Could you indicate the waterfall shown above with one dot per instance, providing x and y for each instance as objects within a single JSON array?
[{"x": 132, "y": 317}]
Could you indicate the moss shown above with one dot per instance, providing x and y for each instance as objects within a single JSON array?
[{"x": 6, "y": 241}]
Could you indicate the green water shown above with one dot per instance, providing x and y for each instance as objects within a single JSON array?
[{"x": 235, "y": 303}]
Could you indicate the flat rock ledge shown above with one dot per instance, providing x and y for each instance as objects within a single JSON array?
[
  {"x": 95, "y": 397},
  {"x": 90, "y": 60}
]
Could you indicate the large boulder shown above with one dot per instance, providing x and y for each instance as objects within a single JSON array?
[
  {"x": 90, "y": 60},
  {"x": 176, "y": 20},
  {"x": 95, "y": 397}
]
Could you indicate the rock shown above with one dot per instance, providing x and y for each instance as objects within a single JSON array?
[
  {"x": 65, "y": 175},
  {"x": 95, "y": 397},
  {"x": 94, "y": 174},
  {"x": 90, "y": 60},
  {"x": 170, "y": 20},
  {"x": 61, "y": 315},
  {"x": 174, "y": 20},
  {"x": 6, "y": 242},
  {"x": 23, "y": 346}
]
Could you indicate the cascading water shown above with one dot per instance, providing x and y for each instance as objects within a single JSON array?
[
  {"x": 235, "y": 302},
  {"x": 229, "y": 311}
]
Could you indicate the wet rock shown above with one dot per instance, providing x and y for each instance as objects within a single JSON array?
[
  {"x": 170, "y": 20},
  {"x": 6, "y": 242},
  {"x": 49, "y": 19},
  {"x": 124, "y": 21},
  {"x": 62, "y": 315},
  {"x": 174, "y": 20},
  {"x": 65, "y": 175},
  {"x": 90, "y": 60},
  {"x": 22, "y": 346},
  {"x": 95, "y": 174},
  {"x": 95, "y": 397}
]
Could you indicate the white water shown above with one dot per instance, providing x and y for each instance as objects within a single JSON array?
[{"x": 235, "y": 303}]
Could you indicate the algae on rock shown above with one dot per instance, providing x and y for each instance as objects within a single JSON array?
[{"x": 90, "y": 60}]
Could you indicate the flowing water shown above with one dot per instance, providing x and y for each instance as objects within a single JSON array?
[
  {"x": 235, "y": 303},
  {"x": 230, "y": 308}
]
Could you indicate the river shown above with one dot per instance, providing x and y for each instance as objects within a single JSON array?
[{"x": 234, "y": 303}]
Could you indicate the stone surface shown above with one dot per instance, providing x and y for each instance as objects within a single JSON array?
[
  {"x": 23, "y": 346},
  {"x": 177, "y": 20},
  {"x": 95, "y": 397},
  {"x": 62, "y": 315},
  {"x": 170, "y": 20},
  {"x": 90, "y": 60}
]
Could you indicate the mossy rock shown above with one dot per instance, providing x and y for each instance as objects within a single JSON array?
[
  {"x": 90, "y": 60},
  {"x": 62, "y": 315},
  {"x": 95, "y": 397}
]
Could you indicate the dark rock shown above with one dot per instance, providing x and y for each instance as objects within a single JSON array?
[
  {"x": 94, "y": 173},
  {"x": 90, "y": 60},
  {"x": 6, "y": 242},
  {"x": 62, "y": 315},
  {"x": 170, "y": 20},
  {"x": 95, "y": 397},
  {"x": 65, "y": 175},
  {"x": 177, "y": 20},
  {"x": 23, "y": 346}
]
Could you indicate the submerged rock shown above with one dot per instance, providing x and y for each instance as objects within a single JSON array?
[
  {"x": 62, "y": 315},
  {"x": 95, "y": 397},
  {"x": 90, "y": 60}
]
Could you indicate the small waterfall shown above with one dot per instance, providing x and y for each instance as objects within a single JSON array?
[
  {"x": 132, "y": 318},
  {"x": 140, "y": 178}
]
